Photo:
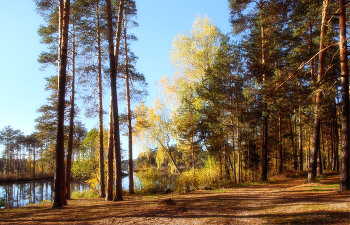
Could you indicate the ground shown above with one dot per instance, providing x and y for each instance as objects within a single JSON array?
[{"x": 288, "y": 201}]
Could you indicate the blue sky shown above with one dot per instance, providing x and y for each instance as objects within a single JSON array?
[{"x": 22, "y": 83}]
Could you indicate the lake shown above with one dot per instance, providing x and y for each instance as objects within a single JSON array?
[{"x": 18, "y": 194}]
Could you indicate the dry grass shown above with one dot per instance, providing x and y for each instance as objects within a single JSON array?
[{"x": 290, "y": 201}]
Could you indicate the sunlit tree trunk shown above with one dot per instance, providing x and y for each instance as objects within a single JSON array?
[
  {"x": 60, "y": 184},
  {"x": 344, "y": 172},
  {"x": 233, "y": 139},
  {"x": 33, "y": 160},
  {"x": 117, "y": 155},
  {"x": 335, "y": 138},
  {"x": 102, "y": 192},
  {"x": 295, "y": 155},
  {"x": 317, "y": 120},
  {"x": 60, "y": 16},
  {"x": 113, "y": 57},
  {"x": 109, "y": 196},
  {"x": 264, "y": 163},
  {"x": 280, "y": 147},
  {"x": 301, "y": 158},
  {"x": 71, "y": 122},
  {"x": 239, "y": 152},
  {"x": 127, "y": 78}
]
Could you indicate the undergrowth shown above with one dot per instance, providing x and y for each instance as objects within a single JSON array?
[{"x": 91, "y": 193}]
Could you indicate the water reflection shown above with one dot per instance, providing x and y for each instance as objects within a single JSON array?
[{"x": 20, "y": 194}]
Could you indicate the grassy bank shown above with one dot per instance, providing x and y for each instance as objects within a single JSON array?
[{"x": 25, "y": 177}]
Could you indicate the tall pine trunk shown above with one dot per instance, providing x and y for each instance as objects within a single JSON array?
[
  {"x": 239, "y": 152},
  {"x": 317, "y": 120},
  {"x": 127, "y": 78},
  {"x": 344, "y": 172},
  {"x": 113, "y": 57},
  {"x": 60, "y": 17},
  {"x": 102, "y": 191},
  {"x": 300, "y": 158},
  {"x": 33, "y": 162},
  {"x": 280, "y": 147},
  {"x": 295, "y": 154},
  {"x": 109, "y": 196},
  {"x": 264, "y": 164},
  {"x": 60, "y": 184},
  {"x": 71, "y": 123},
  {"x": 117, "y": 155}
]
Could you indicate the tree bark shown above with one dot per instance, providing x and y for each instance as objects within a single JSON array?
[
  {"x": 317, "y": 122},
  {"x": 102, "y": 191},
  {"x": 109, "y": 196},
  {"x": 295, "y": 154},
  {"x": 239, "y": 152},
  {"x": 264, "y": 164},
  {"x": 33, "y": 161},
  {"x": 127, "y": 78},
  {"x": 335, "y": 139},
  {"x": 117, "y": 155},
  {"x": 60, "y": 17},
  {"x": 113, "y": 57},
  {"x": 233, "y": 139},
  {"x": 344, "y": 172},
  {"x": 60, "y": 184},
  {"x": 113, "y": 83},
  {"x": 71, "y": 123},
  {"x": 280, "y": 147},
  {"x": 301, "y": 158},
  {"x": 319, "y": 170}
]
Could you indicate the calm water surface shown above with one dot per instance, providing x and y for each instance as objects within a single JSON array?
[{"x": 18, "y": 194}]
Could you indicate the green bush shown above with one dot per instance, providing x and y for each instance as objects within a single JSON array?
[{"x": 2, "y": 202}]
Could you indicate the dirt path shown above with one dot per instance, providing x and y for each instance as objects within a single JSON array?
[{"x": 285, "y": 202}]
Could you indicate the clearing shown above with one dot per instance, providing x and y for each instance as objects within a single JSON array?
[{"x": 288, "y": 201}]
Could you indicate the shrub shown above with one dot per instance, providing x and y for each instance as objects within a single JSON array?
[
  {"x": 91, "y": 193},
  {"x": 2, "y": 202},
  {"x": 208, "y": 176}
]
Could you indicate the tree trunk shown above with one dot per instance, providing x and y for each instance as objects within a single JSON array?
[
  {"x": 280, "y": 147},
  {"x": 127, "y": 78},
  {"x": 42, "y": 161},
  {"x": 233, "y": 140},
  {"x": 317, "y": 122},
  {"x": 60, "y": 184},
  {"x": 117, "y": 155},
  {"x": 71, "y": 123},
  {"x": 264, "y": 164},
  {"x": 301, "y": 158},
  {"x": 319, "y": 170},
  {"x": 112, "y": 77},
  {"x": 344, "y": 172},
  {"x": 335, "y": 139},
  {"x": 220, "y": 162},
  {"x": 33, "y": 162},
  {"x": 102, "y": 192},
  {"x": 109, "y": 196},
  {"x": 113, "y": 57},
  {"x": 239, "y": 152},
  {"x": 60, "y": 18}
]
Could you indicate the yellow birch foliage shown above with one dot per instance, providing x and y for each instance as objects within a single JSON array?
[
  {"x": 191, "y": 55},
  {"x": 153, "y": 128}
]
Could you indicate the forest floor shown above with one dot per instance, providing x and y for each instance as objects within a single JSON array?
[{"x": 288, "y": 201}]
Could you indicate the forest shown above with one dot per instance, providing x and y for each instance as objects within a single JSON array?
[{"x": 265, "y": 102}]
